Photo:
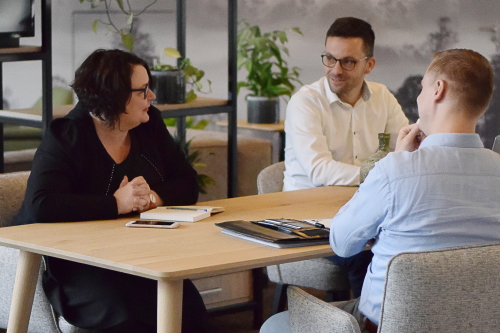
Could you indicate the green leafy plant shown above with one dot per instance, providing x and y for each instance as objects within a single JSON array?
[
  {"x": 126, "y": 31},
  {"x": 194, "y": 76},
  {"x": 194, "y": 157},
  {"x": 190, "y": 123},
  {"x": 195, "y": 160},
  {"x": 262, "y": 55}
]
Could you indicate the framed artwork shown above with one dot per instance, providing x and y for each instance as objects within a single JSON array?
[{"x": 408, "y": 32}]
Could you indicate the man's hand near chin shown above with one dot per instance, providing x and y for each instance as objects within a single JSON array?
[{"x": 409, "y": 138}]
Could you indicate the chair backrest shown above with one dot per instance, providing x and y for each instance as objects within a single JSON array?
[
  {"x": 12, "y": 188},
  {"x": 496, "y": 144},
  {"x": 448, "y": 290},
  {"x": 309, "y": 314},
  {"x": 270, "y": 179}
]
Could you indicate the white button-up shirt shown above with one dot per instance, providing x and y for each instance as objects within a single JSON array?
[{"x": 328, "y": 140}]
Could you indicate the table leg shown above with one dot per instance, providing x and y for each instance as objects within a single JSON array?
[
  {"x": 170, "y": 306},
  {"x": 28, "y": 266},
  {"x": 258, "y": 286}
]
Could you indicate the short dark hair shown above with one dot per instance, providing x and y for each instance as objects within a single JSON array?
[
  {"x": 103, "y": 83},
  {"x": 350, "y": 27}
]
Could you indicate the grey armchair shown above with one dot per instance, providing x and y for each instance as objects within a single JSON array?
[
  {"x": 43, "y": 319},
  {"x": 319, "y": 274},
  {"x": 449, "y": 290}
]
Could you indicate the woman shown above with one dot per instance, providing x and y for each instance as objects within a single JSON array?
[{"x": 111, "y": 155}]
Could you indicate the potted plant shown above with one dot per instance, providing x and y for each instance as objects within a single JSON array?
[
  {"x": 170, "y": 82},
  {"x": 125, "y": 7},
  {"x": 268, "y": 74}
]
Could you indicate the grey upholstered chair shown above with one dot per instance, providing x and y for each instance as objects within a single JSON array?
[
  {"x": 449, "y": 290},
  {"x": 319, "y": 274},
  {"x": 43, "y": 319}
]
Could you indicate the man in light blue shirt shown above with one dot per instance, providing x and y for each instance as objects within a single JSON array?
[{"x": 438, "y": 189}]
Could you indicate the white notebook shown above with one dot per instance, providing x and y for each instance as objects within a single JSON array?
[{"x": 180, "y": 213}]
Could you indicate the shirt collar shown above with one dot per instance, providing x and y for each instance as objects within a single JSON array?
[
  {"x": 332, "y": 97},
  {"x": 366, "y": 91},
  {"x": 459, "y": 140}
]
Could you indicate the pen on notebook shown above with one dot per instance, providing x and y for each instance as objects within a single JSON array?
[
  {"x": 314, "y": 223},
  {"x": 275, "y": 227},
  {"x": 184, "y": 208}
]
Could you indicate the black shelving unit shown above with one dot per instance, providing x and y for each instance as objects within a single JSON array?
[
  {"x": 230, "y": 107},
  {"x": 202, "y": 106},
  {"x": 29, "y": 53},
  {"x": 44, "y": 54}
]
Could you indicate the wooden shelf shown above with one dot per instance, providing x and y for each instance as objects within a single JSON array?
[
  {"x": 200, "y": 102},
  {"x": 200, "y": 106},
  {"x": 280, "y": 127},
  {"x": 20, "y": 49},
  {"x": 34, "y": 115},
  {"x": 58, "y": 111},
  {"x": 22, "y": 53}
]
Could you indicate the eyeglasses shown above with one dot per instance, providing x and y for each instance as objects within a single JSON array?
[
  {"x": 144, "y": 90},
  {"x": 346, "y": 63}
]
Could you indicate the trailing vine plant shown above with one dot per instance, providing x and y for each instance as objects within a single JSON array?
[{"x": 126, "y": 31}]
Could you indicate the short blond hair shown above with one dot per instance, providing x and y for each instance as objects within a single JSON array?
[{"x": 470, "y": 77}]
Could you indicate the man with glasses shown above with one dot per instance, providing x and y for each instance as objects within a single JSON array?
[{"x": 332, "y": 125}]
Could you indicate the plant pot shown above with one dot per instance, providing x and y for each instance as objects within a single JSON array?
[
  {"x": 263, "y": 110},
  {"x": 169, "y": 87}
]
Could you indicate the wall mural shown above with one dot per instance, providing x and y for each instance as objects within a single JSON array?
[
  {"x": 408, "y": 32},
  {"x": 445, "y": 38}
]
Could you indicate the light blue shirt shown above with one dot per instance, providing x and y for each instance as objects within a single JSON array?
[{"x": 446, "y": 193}]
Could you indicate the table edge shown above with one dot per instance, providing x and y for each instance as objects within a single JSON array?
[{"x": 317, "y": 251}]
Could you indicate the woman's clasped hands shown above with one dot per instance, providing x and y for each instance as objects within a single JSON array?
[{"x": 133, "y": 195}]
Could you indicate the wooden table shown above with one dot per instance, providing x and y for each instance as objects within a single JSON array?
[{"x": 193, "y": 250}]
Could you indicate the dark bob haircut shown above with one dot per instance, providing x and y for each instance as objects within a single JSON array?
[
  {"x": 350, "y": 27},
  {"x": 103, "y": 83}
]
